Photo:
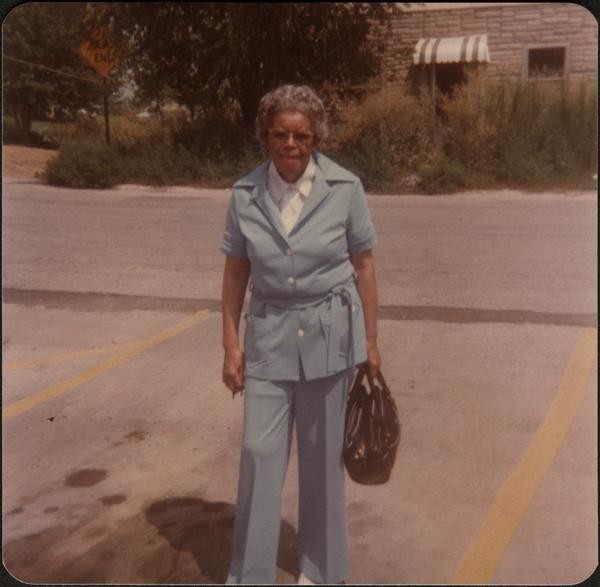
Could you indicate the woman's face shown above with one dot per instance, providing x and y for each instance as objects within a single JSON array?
[{"x": 290, "y": 142}]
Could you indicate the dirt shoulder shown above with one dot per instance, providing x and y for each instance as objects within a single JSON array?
[{"x": 24, "y": 162}]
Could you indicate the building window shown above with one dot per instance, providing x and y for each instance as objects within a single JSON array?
[{"x": 546, "y": 63}]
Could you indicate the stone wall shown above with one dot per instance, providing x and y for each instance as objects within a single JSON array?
[{"x": 511, "y": 29}]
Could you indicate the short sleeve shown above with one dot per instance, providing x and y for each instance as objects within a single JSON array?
[
  {"x": 234, "y": 242},
  {"x": 360, "y": 231}
]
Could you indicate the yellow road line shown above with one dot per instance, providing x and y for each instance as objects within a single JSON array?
[
  {"x": 53, "y": 391},
  {"x": 66, "y": 357},
  {"x": 513, "y": 500}
]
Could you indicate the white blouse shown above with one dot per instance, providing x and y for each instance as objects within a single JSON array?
[{"x": 290, "y": 197}]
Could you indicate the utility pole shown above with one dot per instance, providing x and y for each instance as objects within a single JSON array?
[{"x": 106, "y": 123}]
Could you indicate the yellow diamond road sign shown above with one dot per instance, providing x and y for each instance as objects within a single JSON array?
[{"x": 99, "y": 53}]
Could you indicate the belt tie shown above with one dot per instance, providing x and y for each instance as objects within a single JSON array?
[{"x": 336, "y": 296}]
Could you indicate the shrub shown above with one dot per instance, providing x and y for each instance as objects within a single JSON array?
[
  {"x": 214, "y": 135},
  {"x": 129, "y": 133},
  {"x": 384, "y": 137},
  {"x": 85, "y": 165},
  {"x": 222, "y": 171},
  {"x": 441, "y": 175},
  {"x": 161, "y": 164}
]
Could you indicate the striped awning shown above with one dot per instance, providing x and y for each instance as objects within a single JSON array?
[{"x": 471, "y": 48}]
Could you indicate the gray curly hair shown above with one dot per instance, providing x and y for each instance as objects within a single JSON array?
[{"x": 291, "y": 97}]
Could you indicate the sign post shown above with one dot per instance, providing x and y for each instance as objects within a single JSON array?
[
  {"x": 99, "y": 53},
  {"x": 106, "y": 125}
]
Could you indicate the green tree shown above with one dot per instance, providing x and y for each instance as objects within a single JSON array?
[
  {"x": 47, "y": 34},
  {"x": 211, "y": 55}
]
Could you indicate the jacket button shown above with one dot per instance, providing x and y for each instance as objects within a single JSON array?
[{"x": 291, "y": 280}]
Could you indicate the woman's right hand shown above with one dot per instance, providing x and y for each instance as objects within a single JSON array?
[
  {"x": 233, "y": 370},
  {"x": 235, "y": 279}
]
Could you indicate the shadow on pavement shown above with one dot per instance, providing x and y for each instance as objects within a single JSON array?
[
  {"x": 206, "y": 530},
  {"x": 172, "y": 541}
]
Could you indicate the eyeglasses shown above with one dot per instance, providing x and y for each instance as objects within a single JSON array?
[{"x": 281, "y": 136}]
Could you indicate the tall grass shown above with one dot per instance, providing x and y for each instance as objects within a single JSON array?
[
  {"x": 530, "y": 134},
  {"x": 512, "y": 134},
  {"x": 488, "y": 135}
]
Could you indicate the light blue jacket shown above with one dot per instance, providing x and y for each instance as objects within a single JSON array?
[{"x": 304, "y": 308}]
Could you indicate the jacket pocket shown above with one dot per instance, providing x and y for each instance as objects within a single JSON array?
[{"x": 256, "y": 340}]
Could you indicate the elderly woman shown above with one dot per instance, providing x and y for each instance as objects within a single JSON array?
[{"x": 299, "y": 228}]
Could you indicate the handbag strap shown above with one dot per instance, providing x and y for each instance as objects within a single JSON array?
[
  {"x": 360, "y": 373},
  {"x": 365, "y": 370},
  {"x": 382, "y": 380}
]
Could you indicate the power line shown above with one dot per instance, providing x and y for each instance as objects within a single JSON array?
[{"x": 85, "y": 79}]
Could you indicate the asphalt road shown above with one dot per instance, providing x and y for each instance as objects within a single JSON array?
[{"x": 121, "y": 446}]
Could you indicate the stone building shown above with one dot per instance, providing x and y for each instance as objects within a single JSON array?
[{"x": 438, "y": 43}]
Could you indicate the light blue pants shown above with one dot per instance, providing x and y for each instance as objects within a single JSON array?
[{"x": 270, "y": 407}]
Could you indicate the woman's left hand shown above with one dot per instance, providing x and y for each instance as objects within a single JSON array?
[{"x": 373, "y": 359}]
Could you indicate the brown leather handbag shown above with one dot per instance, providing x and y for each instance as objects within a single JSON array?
[{"x": 372, "y": 430}]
